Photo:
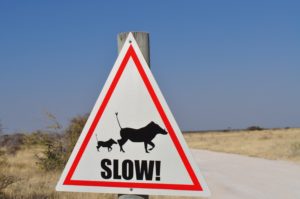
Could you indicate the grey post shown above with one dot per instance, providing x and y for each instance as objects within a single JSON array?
[{"x": 142, "y": 39}]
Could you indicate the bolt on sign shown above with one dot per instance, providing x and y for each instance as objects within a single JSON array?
[{"x": 131, "y": 143}]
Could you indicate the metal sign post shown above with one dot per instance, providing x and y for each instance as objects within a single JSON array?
[{"x": 142, "y": 39}]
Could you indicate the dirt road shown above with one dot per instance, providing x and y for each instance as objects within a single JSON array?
[{"x": 231, "y": 176}]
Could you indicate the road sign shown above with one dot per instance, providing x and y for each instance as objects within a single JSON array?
[{"x": 131, "y": 142}]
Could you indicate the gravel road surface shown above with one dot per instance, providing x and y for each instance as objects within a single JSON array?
[{"x": 231, "y": 176}]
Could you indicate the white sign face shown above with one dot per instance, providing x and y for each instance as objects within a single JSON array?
[{"x": 131, "y": 143}]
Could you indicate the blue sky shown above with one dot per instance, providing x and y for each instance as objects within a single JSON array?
[{"x": 219, "y": 64}]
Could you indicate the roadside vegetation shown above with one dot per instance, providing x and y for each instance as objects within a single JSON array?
[
  {"x": 31, "y": 163},
  {"x": 275, "y": 144}
]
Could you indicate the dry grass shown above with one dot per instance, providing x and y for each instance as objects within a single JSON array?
[
  {"x": 34, "y": 183},
  {"x": 277, "y": 144}
]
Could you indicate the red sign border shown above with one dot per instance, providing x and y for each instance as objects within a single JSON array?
[{"x": 191, "y": 187}]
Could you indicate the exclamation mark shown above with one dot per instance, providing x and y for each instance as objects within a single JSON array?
[{"x": 157, "y": 168}]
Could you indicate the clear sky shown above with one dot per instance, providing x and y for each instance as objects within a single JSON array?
[{"x": 219, "y": 64}]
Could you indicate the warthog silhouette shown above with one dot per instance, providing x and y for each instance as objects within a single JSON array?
[
  {"x": 108, "y": 144},
  {"x": 144, "y": 134}
]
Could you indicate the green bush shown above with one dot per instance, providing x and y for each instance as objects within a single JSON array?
[
  {"x": 53, "y": 157},
  {"x": 59, "y": 147}
]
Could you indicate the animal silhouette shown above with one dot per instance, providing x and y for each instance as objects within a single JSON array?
[
  {"x": 108, "y": 144},
  {"x": 144, "y": 134}
]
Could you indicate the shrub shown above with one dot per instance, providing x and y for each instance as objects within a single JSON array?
[
  {"x": 35, "y": 138},
  {"x": 73, "y": 131},
  {"x": 227, "y": 130},
  {"x": 59, "y": 147},
  {"x": 3, "y": 159},
  {"x": 5, "y": 180},
  {"x": 254, "y": 128},
  {"x": 12, "y": 143},
  {"x": 53, "y": 157},
  {"x": 55, "y": 125}
]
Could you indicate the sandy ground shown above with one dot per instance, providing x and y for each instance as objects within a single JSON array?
[{"x": 231, "y": 176}]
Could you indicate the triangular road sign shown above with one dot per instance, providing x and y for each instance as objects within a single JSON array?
[{"x": 131, "y": 142}]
